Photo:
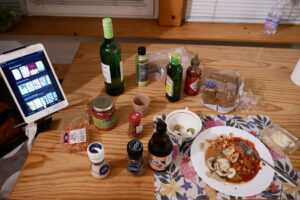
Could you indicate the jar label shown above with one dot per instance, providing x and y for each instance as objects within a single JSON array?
[
  {"x": 105, "y": 123},
  {"x": 104, "y": 169},
  {"x": 106, "y": 73},
  {"x": 74, "y": 136},
  {"x": 139, "y": 128},
  {"x": 142, "y": 71},
  {"x": 134, "y": 169},
  {"x": 159, "y": 163},
  {"x": 169, "y": 86}
]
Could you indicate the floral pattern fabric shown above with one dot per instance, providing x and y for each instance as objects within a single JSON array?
[{"x": 180, "y": 180}]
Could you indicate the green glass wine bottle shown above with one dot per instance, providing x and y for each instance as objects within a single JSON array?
[{"x": 111, "y": 61}]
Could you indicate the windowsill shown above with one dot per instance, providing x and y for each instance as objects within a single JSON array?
[{"x": 149, "y": 28}]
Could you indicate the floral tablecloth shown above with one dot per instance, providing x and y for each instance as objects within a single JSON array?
[{"x": 180, "y": 181}]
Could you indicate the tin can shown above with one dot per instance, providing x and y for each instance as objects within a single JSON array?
[{"x": 104, "y": 113}]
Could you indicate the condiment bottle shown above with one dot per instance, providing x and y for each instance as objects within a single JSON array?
[
  {"x": 173, "y": 79},
  {"x": 160, "y": 148},
  {"x": 104, "y": 113},
  {"x": 99, "y": 167},
  {"x": 135, "y": 128},
  {"x": 135, "y": 164},
  {"x": 193, "y": 75},
  {"x": 111, "y": 61},
  {"x": 142, "y": 67}
]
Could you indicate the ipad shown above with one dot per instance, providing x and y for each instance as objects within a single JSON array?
[{"x": 32, "y": 82}]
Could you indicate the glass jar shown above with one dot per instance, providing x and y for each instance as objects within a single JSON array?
[
  {"x": 135, "y": 164},
  {"x": 135, "y": 128},
  {"x": 104, "y": 113}
]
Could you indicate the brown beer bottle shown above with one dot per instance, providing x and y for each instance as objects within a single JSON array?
[{"x": 160, "y": 148}]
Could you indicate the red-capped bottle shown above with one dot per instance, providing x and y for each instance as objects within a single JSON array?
[{"x": 193, "y": 76}]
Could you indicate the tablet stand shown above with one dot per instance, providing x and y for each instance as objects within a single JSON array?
[{"x": 30, "y": 131}]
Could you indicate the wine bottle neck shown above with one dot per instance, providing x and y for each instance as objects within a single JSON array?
[{"x": 108, "y": 40}]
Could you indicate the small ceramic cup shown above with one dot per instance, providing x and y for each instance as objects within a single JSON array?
[{"x": 141, "y": 104}]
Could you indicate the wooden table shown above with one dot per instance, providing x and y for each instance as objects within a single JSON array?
[{"x": 52, "y": 173}]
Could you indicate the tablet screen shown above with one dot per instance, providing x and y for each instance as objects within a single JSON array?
[{"x": 32, "y": 82}]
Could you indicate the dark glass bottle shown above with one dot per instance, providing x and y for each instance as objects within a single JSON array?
[
  {"x": 173, "y": 79},
  {"x": 193, "y": 75},
  {"x": 111, "y": 61},
  {"x": 160, "y": 148}
]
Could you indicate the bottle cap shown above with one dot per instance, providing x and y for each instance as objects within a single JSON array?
[
  {"x": 134, "y": 149},
  {"x": 95, "y": 152},
  {"x": 195, "y": 61},
  {"x": 175, "y": 59},
  {"x": 141, "y": 50},
  {"x": 102, "y": 104},
  {"x": 210, "y": 84},
  {"x": 107, "y": 28},
  {"x": 135, "y": 118}
]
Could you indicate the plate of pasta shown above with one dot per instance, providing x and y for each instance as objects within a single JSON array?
[{"x": 221, "y": 164}]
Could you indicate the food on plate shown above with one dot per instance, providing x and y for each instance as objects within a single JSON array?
[
  {"x": 227, "y": 162},
  {"x": 179, "y": 131}
]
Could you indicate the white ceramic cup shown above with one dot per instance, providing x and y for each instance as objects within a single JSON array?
[{"x": 295, "y": 76}]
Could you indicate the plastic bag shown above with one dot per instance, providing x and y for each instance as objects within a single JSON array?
[
  {"x": 222, "y": 91},
  {"x": 158, "y": 60},
  {"x": 74, "y": 132}
]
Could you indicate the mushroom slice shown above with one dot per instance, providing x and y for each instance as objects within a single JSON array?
[
  {"x": 214, "y": 175},
  {"x": 228, "y": 151},
  {"x": 223, "y": 164},
  {"x": 231, "y": 172},
  {"x": 235, "y": 157},
  {"x": 210, "y": 162}
]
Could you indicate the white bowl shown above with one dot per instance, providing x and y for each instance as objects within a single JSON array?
[{"x": 186, "y": 119}]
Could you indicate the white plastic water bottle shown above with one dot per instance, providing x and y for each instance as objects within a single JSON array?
[
  {"x": 274, "y": 16},
  {"x": 272, "y": 21}
]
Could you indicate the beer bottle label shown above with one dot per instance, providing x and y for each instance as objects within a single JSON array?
[
  {"x": 106, "y": 73},
  {"x": 169, "y": 86},
  {"x": 159, "y": 163}
]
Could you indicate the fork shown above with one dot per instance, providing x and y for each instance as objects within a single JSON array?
[{"x": 247, "y": 149}]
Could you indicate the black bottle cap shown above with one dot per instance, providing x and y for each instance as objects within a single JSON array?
[
  {"x": 142, "y": 50},
  {"x": 161, "y": 126},
  {"x": 135, "y": 149}
]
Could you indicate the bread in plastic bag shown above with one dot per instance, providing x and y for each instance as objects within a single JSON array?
[{"x": 221, "y": 90}]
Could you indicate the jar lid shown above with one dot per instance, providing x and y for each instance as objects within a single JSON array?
[
  {"x": 135, "y": 149},
  {"x": 135, "y": 118},
  {"x": 95, "y": 152},
  {"x": 102, "y": 104},
  {"x": 210, "y": 84}
]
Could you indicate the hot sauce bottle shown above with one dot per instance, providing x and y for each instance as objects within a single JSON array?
[
  {"x": 160, "y": 148},
  {"x": 193, "y": 75}
]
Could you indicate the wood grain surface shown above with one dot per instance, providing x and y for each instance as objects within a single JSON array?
[
  {"x": 52, "y": 173},
  {"x": 149, "y": 28}
]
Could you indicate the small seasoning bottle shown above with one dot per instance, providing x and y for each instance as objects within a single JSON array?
[
  {"x": 193, "y": 75},
  {"x": 104, "y": 113},
  {"x": 99, "y": 167},
  {"x": 142, "y": 67},
  {"x": 135, "y": 128},
  {"x": 135, "y": 164}
]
